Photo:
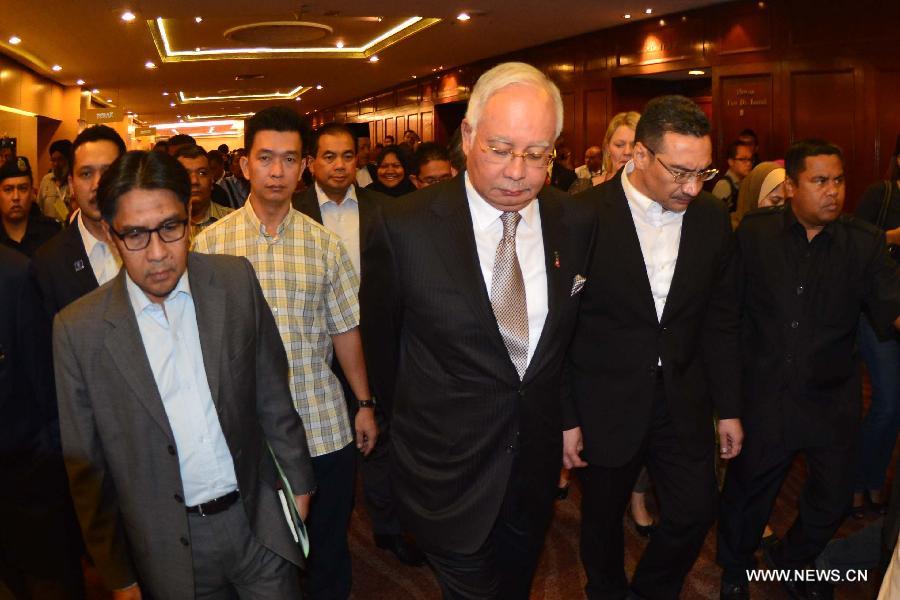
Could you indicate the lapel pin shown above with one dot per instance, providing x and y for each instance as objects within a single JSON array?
[
  {"x": 79, "y": 265},
  {"x": 556, "y": 258}
]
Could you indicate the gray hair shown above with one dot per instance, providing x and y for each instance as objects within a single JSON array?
[{"x": 504, "y": 75}]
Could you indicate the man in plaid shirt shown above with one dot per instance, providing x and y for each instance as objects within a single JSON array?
[{"x": 310, "y": 284}]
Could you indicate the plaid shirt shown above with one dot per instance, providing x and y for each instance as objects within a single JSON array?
[{"x": 309, "y": 282}]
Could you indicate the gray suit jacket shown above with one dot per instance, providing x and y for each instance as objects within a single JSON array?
[{"x": 119, "y": 449}]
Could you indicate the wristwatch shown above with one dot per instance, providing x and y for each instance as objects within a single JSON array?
[{"x": 370, "y": 403}]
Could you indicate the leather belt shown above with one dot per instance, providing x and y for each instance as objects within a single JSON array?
[{"x": 216, "y": 505}]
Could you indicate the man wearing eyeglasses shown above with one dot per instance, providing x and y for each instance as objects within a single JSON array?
[
  {"x": 431, "y": 165},
  {"x": 740, "y": 163},
  {"x": 173, "y": 390},
  {"x": 487, "y": 268},
  {"x": 655, "y": 355}
]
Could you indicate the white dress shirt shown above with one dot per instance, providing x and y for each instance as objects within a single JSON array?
[
  {"x": 105, "y": 261},
  {"x": 343, "y": 219},
  {"x": 171, "y": 340},
  {"x": 659, "y": 232},
  {"x": 488, "y": 231}
]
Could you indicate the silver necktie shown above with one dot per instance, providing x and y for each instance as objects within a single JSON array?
[{"x": 508, "y": 295}]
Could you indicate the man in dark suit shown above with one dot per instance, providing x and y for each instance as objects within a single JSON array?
[
  {"x": 487, "y": 273},
  {"x": 655, "y": 352},
  {"x": 355, "y": 215},
  {"x": 39, "y": 553},
  {"x": 172, "y": 381},
  {"x": 80, "y": 258}
]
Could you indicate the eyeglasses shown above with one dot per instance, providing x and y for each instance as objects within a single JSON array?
[
  {"x": 139, "y": 238},
  {"x": 501, "y": 156},
  {"x": 682, "y": 177},
  {"x": 434, "y": 180}
]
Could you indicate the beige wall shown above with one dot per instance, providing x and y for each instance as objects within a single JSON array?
[{"x": 23, "y": 89}]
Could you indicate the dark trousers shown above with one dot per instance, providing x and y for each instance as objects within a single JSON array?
[
  {"x": 329, "y": 569},
  {"x": 376, "y": 479},
  {"x": 230, "y": 563},
  {"x": 752, "y": 484},
  {"x": 503, "y": 567},
  {"x": 686, "y": 492}
]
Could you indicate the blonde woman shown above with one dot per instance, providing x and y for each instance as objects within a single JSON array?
[{"x": 618, "y": 144}]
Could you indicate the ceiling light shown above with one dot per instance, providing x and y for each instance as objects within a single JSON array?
[
  {"x": 649, "y": 11},
  {"x": 15, "y": 40},
  {"x": 165, "y": 93},
  {"x": 172, "y": 104},
  {"x": 373, "y": 58},
  {"x": 56, "y": 68},
  {"x": 626, "y": 16},
  {"x": 662, "y": 22},
  {"x": 128, "y": 16},
  {"x": 413, "y": 76},
  {"x": 319, "y": 86},
  {"x": 298, "y": 99},
  {"x": 179, "y": 116},
  {"x": 95, "y": 91},
  {"x": 109, "y": 100},
  {"x": 197, "y": 49},
  {"x": 150, "y": 64},
  {"x": 79, "y": 82},
  {"x": 340, "y": 44},
  {"x": 696, "y": 72},
  {"x": 198, "y": 19},
  {"x": 463, "y": 17}
]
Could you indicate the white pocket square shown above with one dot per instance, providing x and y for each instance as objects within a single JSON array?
[{"x": 577, "y": 284}]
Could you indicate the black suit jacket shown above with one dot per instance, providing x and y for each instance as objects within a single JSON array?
[
  {"x": 62, "y": 270},
  {"x": 461, "y": 415},
  {"x": 619, "y": 340},
  {"x": 378, "y": 336}
]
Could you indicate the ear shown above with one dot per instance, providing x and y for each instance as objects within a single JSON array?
[
  {"x": 641, "y": 156},
  {"x": 415, "y": 181},
  {"x": 789, "y": 187},
  {"x": 468, "y": 135},
  {"x": 245, "y": 167}
]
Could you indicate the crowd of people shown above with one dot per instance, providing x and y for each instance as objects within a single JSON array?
[{"x": 187, "y": 331}]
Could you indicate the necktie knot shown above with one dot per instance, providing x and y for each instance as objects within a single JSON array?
[{"x": 510, "y": 222}]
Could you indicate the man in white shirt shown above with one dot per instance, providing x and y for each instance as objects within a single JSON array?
[
  {"x": 593, "y": 163},
  {"x": 80, "y": 258}
]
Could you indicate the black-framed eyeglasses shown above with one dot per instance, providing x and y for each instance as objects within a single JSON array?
[
  {"x": 502, "y": 156},
  {"x": 139, "y": 238},
  {"x": 682, "y": 177}
]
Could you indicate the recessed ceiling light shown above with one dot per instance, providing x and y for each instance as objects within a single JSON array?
[
  {"x": 373, "y": 58},
  {"x": 662, "y": 22},
  {"x": 56, "y": 68},
  {"x": 165, "y": 93},
  {"x": 298, "y": 99},
  {"x": 649, "y": 11},
  {"x": 696, "y": 72},
  {"x": 179, "y": 116},
  {"x": 463, "y": 16},
  {"x": 172, "y": 104},
  {"x": 319, "y": 86},
  {"x": 95, "y": 91},
  {"x": 413, "y": 76},
  {"x": 339, "y": 44},
  {"x": 198, "y": 19},
  {"x": 626, "y": 16},
  {"x": 15, "y": 40},
  {"x": 109, "y": 100},
  {"x": 150, "y": 64},
  {"x": 128, "y": 16},
  {"x": 197, "y": 49},
  {"x": 79, "y": 82}
]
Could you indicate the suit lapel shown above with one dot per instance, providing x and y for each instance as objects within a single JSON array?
[
  {"x": 555, "y": 234},
  {"x": 77, "y": 263},
  {"x": 210, "y": 304},
  {"x": 622, "y": 229},
  {"x": 308, "y": 203},
  {"x": 456, "y": 239},
  {"x": 690, "y": 247},
  {"x": 125, "y": 346},
  {"x": 367, "y": 215}
]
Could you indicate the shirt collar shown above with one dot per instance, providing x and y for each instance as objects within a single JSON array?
[
  {"x": 258, "y": 226},
  {"x": 87, "y": 238},
  {"x": 636, "y": 198},
  {"x": 139, "y": 300},
  {"x": 350, "y": 194},
  {"x": 792, "y": 224},
  {"x": 484, "y": 215}
]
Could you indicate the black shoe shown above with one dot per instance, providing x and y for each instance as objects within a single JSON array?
[
  {"x": 734, "y": 591},
  {"x": 562, "y": 492},
  {"x": 643, "y": 530},
  {"x": 799, "y": 590},
  {"x": 405, "y": 550}
]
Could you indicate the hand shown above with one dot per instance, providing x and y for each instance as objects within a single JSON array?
[
  {"x": 366, "y": 430},
  {"x": 731, "y": 437},
  {"x": 303, "y": 501},
  {"x": 572, "y": 447},
  {"x": 132, "y": 592},
  {"x": 893, "y": 236}
]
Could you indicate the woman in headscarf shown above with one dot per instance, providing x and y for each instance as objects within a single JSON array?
[
  {"x": 764, "y": 186},
  {"x": 393, "y": 172}
]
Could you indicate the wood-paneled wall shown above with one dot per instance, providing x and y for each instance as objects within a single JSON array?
[{"x": 788, "y": 69}]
